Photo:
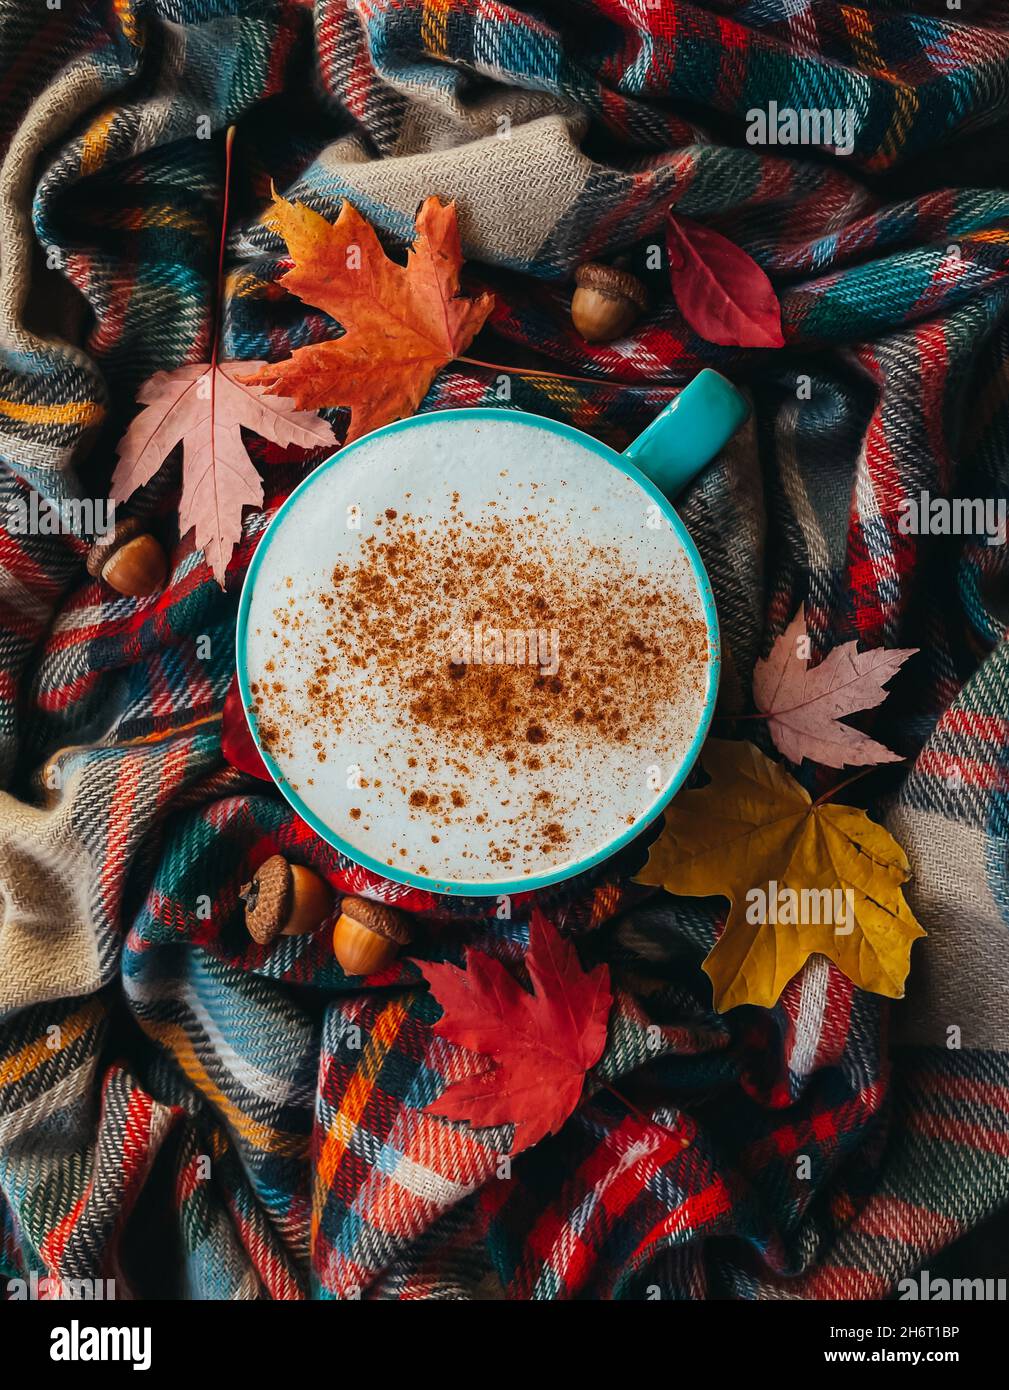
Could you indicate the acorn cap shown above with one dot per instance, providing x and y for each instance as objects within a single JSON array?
[
  {"x": 106, "y": 546},
  {"x": 608, "y": 280},
  {"x": 378, "y": 918},
  {"x": 268, "y": 899}
]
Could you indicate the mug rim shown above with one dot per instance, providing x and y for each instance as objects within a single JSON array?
[{"x": 497, "y": 887}]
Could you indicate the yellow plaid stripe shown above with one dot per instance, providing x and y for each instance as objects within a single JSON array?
[
  {"x": 37, "y": 1052},
  {"x": 260, "y": 1136},
  {"x": 67, "y": 413}
]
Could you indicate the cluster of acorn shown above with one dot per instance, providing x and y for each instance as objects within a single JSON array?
[{"x": 286, "y": 899}]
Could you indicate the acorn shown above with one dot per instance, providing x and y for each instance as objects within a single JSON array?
[
  {"x": 606, "y": 302},
  {"x": 367, "y": 936},
  {"x": 130, "y": 560},
  {"x": 284, "y": 900}
]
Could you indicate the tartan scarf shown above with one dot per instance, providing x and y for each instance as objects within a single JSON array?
[{"x": 200, "y": 1116}]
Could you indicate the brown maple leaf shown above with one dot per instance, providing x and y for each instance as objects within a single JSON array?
[
  {"x": 539, "y": 1045},
  {"x": 204, "y": 407},
  {"x": 402, "y": 323}
]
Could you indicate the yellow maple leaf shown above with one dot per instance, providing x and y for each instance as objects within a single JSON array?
[{"x": 755, "y": 836}]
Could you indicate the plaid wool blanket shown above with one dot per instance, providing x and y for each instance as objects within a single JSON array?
[{"x": 195, "y": 1115}]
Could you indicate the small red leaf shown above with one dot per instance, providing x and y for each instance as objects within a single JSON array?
[
  {"x": 237, "y": 743},
  {"x": 721, "y": 291},
  {"x": 538, "y": 1046}
]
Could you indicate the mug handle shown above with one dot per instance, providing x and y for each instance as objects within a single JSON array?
[{"x": 689, "y": 432}]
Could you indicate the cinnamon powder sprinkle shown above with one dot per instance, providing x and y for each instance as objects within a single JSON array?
[{"x": 629, "y": 650}]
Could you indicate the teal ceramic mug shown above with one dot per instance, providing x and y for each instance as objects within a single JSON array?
[{"x": 478, "y": 649}]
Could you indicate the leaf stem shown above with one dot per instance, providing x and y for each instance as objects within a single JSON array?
[
  {"x": 229, "y": 141},
  {"x": 640, "y": 1114},
  {"x": 556, "y": 376},
  {"x": 848, "y": 781}
]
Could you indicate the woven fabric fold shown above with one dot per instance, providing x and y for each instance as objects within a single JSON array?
[{"x": 196, "y": 1115}]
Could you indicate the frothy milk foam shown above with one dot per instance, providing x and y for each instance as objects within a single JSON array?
[{"x": 476, "y": 651}]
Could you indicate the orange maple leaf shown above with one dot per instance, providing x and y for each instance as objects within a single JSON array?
[{"x": 402, "y": 323}]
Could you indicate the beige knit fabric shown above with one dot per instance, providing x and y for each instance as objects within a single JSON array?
[
  {"x": 960, "y": 974},
  {"x": 47, "y": 939},
  {"x": 509, "y": 188}
]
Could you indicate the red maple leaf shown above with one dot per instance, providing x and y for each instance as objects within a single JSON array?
[
  {"x": 237, "y": 744},
  {"x": 539, "y": 1045}
]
